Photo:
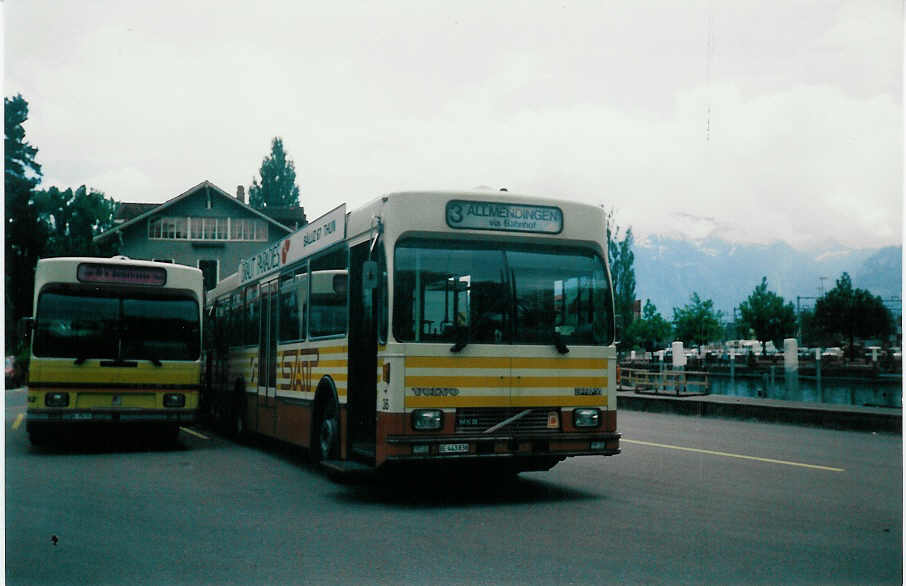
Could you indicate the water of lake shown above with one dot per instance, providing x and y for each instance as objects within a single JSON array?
[{"x": 880, "y": 392}]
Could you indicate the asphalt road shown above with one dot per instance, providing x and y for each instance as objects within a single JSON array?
[{"x": 690, "y": 500}]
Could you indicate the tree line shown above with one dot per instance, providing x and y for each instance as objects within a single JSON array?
[
  {"x": 55, "y": 222},
  {"x": 52, "y": 222},
  {"x": 842, "y": 315}
]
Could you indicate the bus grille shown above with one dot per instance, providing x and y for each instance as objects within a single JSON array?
[{"x": 478, "y": 419}]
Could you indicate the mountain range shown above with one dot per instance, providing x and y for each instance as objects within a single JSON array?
[{"x": 669, "y": 269}]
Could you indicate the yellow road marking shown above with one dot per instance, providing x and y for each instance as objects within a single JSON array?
[
  {"x": 195, "y": 433},
  {"x": 18, "y": 420},
  {"x": 739, "y": 456}
]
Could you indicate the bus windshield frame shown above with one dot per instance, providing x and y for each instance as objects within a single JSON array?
[
  {"x": 501, "y": 292},
  {"x": 120, "y": 324}
]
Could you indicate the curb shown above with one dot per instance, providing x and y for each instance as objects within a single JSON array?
[{"x": 772, "y": 411}]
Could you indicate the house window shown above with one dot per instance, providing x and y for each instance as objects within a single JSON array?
[
  {"x": 208, "y": 229},
  {"x": 168, "y": 228},
  {"x": 248, "y": 229}
]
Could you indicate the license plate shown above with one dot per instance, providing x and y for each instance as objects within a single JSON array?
[
  {"x": 453, "y": 449},
  {"x": 81, "y": 415}
]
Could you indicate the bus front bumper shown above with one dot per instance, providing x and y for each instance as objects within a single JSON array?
[
  {"x": 502, "y": 447},
  {"x": 176, "y": 416}
]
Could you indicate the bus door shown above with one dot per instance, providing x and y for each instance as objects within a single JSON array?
[
  {"x": 362, "y": 383},
  {"x": 267, "y": 360}
]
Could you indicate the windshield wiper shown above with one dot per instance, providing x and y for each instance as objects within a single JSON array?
[
  {"x": 558, "y": 342},
  {"x": 462, "y": 339},
  {"x": 155, "y": 361}
]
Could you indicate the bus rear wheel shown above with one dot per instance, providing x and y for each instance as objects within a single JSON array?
[{"x": 326, "y": 440}]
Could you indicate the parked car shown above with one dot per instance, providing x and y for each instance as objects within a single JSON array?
[
  {"x": 832, "y": 353},
  {"x": 12, "y": 380}
]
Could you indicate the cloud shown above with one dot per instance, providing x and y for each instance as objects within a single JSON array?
[{"x": 778, "y": 120}]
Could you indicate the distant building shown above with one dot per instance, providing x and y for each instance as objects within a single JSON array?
[{"x": 204, "y": 227}]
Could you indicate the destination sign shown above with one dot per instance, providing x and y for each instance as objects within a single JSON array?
[
  {"x": 121, "y": 275},
  {"x": 508, "y": 217},
  {"x": 308, "y": 240}
]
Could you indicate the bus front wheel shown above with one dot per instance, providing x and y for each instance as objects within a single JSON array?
[{"x": 38, "y": 435}]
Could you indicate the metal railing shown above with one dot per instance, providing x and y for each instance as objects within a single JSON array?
[{"x": 681, "y": 383}]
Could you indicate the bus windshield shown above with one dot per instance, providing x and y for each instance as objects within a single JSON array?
[
  {"x": 501, "y": 293},
  {"x": 123, "y": 326}
]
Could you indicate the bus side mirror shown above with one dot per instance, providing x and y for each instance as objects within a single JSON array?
[
  {"x": 25, "y": 326},
  {"x": 369, "y": 275},
  {"x": 618, "y": 329}
]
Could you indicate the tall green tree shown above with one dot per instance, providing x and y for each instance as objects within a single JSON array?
[
  {"x": 697, "y": 322},
  {"x": 650, "y": 332},
  {"x": 622, "y": 270},
  {"x": 25, "y": 234},
  {"x": 73, "y": 218},
  {"x": 849, "y": 313},
  {"x": 278, "y": 180},
  {"x": 811, "y": 331},
  {"x": 765, "y": 313}
]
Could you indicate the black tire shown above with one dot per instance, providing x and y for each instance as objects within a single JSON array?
[
  {"x": 38, "y": 435},
  {"x": 169, "y": 434},
  {"x": 237, "y": 424},
  {"x": 325, "y": 443}
]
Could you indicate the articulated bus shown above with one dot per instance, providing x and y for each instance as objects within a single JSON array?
[
  {"x": 114, "y": 341},
  {"x": 448, "y": 327}
]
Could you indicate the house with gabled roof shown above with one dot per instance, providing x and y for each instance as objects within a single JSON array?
[{"x": 203, "y": 227}]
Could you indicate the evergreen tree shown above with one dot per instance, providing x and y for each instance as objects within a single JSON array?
[
  {"x": 697, "y": 322},
  {"x": 25, "y": 234},
  {"x": 849, "y": 313},
  {"x": 622, "y": 272},
  {"x": 73, "y": 218},
  {"x": 765, "y": 313},
  {"x": 652, "y": 331},
  {"x": 278, "y": 180}
]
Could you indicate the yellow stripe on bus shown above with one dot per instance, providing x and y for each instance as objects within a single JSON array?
[
  {"x": 55, "y": 371},
  {"x": 470, "y": 382},
  {"x": 506, "y": 401},
  {"x": 496, "y": 362},
  {"x": 326, "y": 363},
  {"x": 330, "y": 349}
]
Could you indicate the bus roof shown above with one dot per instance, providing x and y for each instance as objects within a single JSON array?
[
  {"x": 463, "y": 214},
  {"x": 66, "y": 270}
]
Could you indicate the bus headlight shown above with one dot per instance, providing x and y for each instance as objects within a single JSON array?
[
  {"x": 427, "y": 419},
  {"x": 56, "y": 399},
  {"x": 174, "y": 400},
  {"x": 587, "y": 417}
]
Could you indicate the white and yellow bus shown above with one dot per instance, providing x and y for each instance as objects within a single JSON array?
[
  {"x": 425, "y": 327},
  {"x": 114, "y": 340}
]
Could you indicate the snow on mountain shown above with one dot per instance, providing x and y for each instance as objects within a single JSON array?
[{"x": 669, "y": 269}]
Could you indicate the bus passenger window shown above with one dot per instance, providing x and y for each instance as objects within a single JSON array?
[
  {"x": 251, "y": 318},
  {"x": 289, "y": 312},
  {"x": 328, "y": 303}
]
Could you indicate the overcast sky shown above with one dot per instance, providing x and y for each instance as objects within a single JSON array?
[{"x": 753, "y": 121}]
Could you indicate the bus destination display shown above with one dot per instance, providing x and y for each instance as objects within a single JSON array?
[
  {"x": 480, "y": 215},
  {"x": 121, "y": 275}
]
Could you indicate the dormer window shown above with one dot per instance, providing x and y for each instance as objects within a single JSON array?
[{"x": 195, "y": 228}]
